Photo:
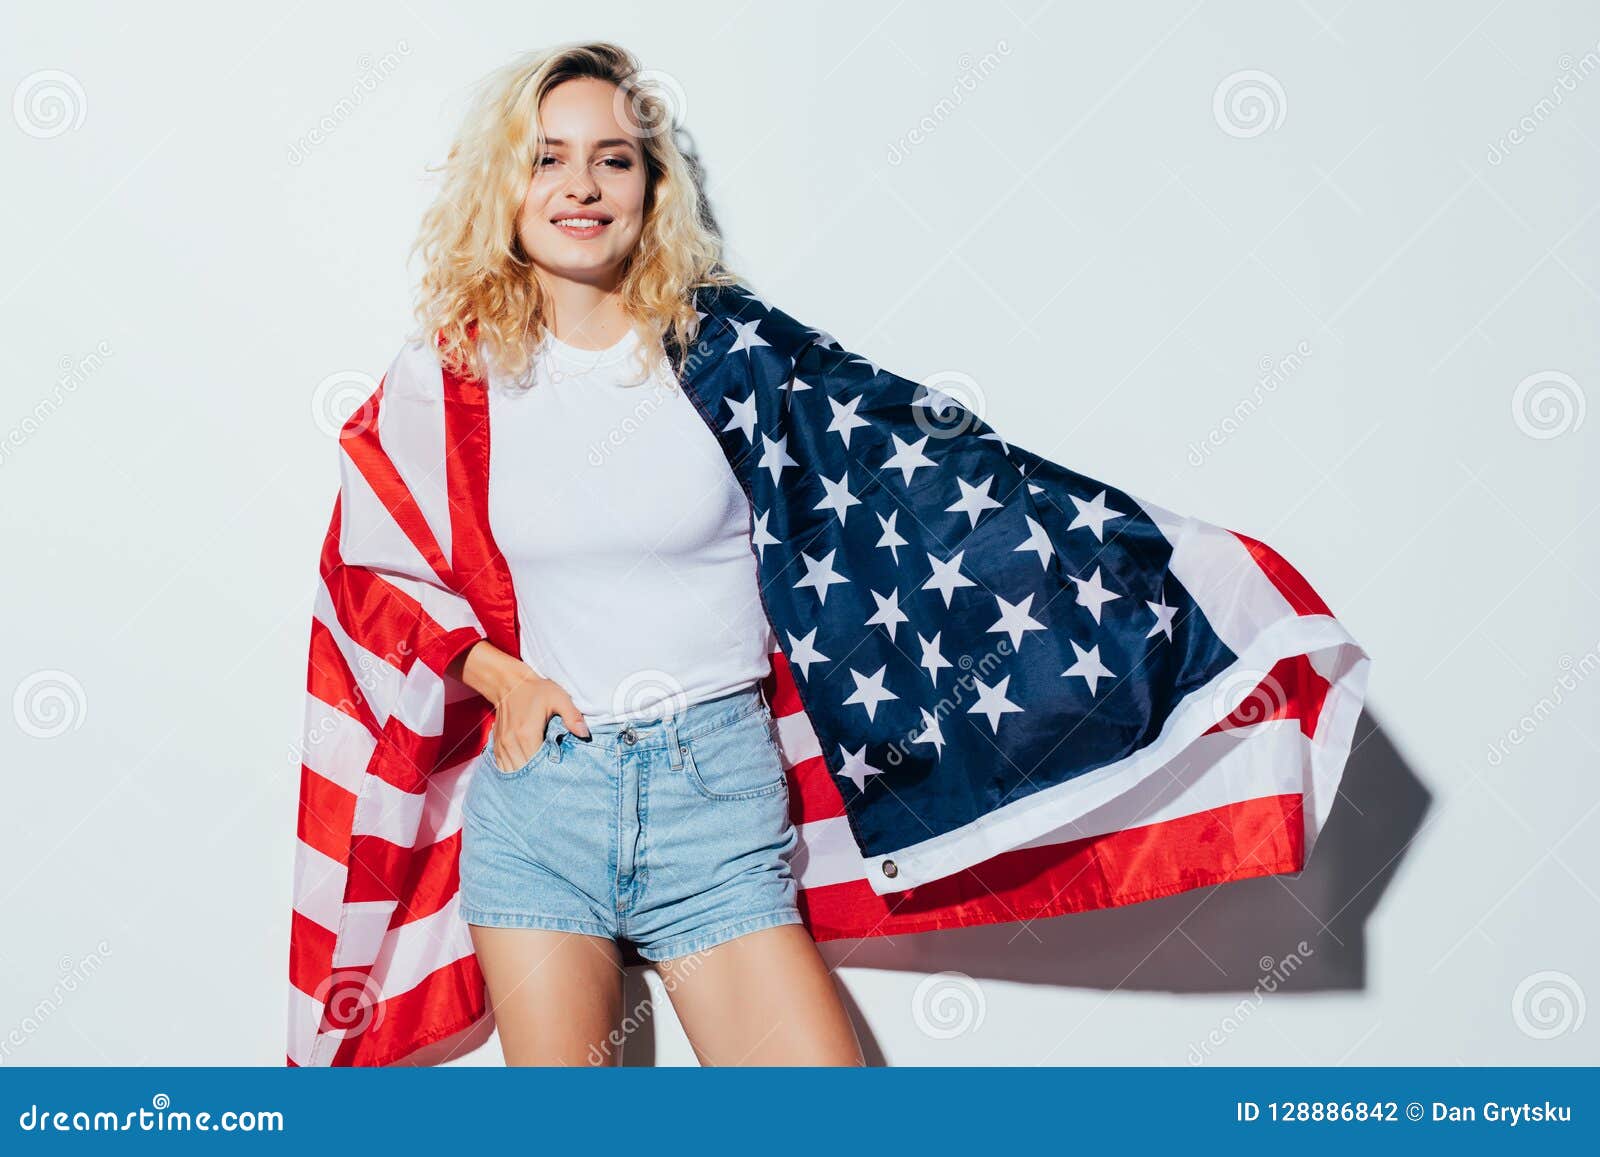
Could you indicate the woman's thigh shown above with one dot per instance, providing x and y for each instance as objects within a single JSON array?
[
  {"x": 557, "y": 996},
  {"x": 765, "y": 998}
]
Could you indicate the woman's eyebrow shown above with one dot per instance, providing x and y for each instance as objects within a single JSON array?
[{"x": 609, "y": 142}]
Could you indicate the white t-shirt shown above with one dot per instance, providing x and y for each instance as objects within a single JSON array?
[{"x": 626, "y": 533}]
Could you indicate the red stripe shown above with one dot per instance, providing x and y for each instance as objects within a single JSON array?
[
  {"x": 327, "y": 815},
  {"x": 447, "y": 1001},
  {"x": 1258, "y": 837},
  {"x": 329, "y": 678},
  {"x": 813, "y": 794},
  {"x": 1293, "y": 689},
  {"x": 1291, "y": 583},
  {"x": 310, "y": 953},
  {"x": 422, "y": 880},
  {"x": 485, "y": 578}
]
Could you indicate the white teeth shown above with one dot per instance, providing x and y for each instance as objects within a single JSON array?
[{"x": 578, "y": 222}]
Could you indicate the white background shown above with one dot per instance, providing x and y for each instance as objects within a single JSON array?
[{"x": 1081, "y": 233}]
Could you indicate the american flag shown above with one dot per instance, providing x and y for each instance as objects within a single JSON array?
[{"x": 1004, "y": 690}]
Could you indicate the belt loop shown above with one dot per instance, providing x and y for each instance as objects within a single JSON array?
[{"x": 674, "y": 745}]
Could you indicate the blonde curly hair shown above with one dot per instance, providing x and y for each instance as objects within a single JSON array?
[{"x": 478, "y": 294}]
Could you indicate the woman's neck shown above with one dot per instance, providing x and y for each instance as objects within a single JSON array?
[{"x": 584, "y": 315}]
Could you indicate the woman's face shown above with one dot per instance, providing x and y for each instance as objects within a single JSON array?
[{"x": 591, "y": 170}]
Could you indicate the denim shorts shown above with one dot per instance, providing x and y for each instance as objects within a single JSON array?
[{"x": 671, "y": 834}]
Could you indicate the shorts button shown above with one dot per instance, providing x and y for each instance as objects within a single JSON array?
[
  {"x": 889, "y": 869},
  {"x": 628, "y": 735}
]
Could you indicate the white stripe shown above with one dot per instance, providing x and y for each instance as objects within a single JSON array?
[
  {"x": 416, "y": 820},
  {"x": 827, "y": 854},
  {"x": 420, "y": 947},
  {"x": 797, "y": 739},
  {"x": 335, "y": 745},
  {"x": 318, "y": 885},
  {"x": 414, "y": 437},
  {"x": 305, "y": 1014},
  {"x": 361, "y": 937}
]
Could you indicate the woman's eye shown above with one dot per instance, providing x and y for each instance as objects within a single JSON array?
[
  {"x": 619, "y": 162},
  {"x": 545, "y": 158}
]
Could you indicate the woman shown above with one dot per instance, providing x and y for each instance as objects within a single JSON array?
[
  {"x": 640, "y": 604},
  {"x": 724, "y": 609}
]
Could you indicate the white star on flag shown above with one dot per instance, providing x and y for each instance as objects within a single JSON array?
[
  {"x": 936, "y": 400},
  {"x": 1093, "y": 514},
  {"x": 993, "y": 436},
  {"x": 930, "y": 731},
  {"x": 1092, "y": 595},
  {"x": 947, "y": 576},
  {"x": 888, "y": 614},
  {"x": 870, "y": 690},
  {"x": 932, "y": 657},
  {"x": 803, "y": 653},
  {"x": 1088, "y": 666},
  {"x": 1014, "y": 619},
  {"x": 744, "y": 416},
  {"x": 820, "y": 574},
  {"x": 1037, "y": 540},
  {"x": 907, "y": 456},
  {"x": 856, "y": 768},
  {"x": 838, "y": 497},
  {"x": 761, "y": 537},
  {"x": 974, "y": 499},
  {"x": 775, "y": 456},
  {"x": 748, "y": 338},
  {"x": 992, "y": 702},
  {"x": 1164, "y": 615},
  {"x": 891, "y": 537},
  {"x": 845, "y": 418}
]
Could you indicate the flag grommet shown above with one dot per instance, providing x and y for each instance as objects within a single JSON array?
[{"x": 889, "y": 869}]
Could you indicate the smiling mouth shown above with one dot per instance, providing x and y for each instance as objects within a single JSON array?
[{"x": 580, "y": 227}]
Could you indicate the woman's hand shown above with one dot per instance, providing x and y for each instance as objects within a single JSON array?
[{"x": 523, "y": 699}]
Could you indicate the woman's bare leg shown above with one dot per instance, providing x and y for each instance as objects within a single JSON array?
[
  {"x": 557, "y": 996},
  {"x": 766, "y": 998}
]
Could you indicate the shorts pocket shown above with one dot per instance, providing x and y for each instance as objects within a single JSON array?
[
  {"x": 538, "y": 757},
  {"x": 739, "y": 761}
]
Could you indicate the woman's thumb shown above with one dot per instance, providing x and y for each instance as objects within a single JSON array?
[{"x": 573, "y": 718}]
